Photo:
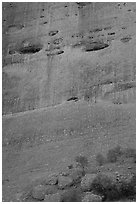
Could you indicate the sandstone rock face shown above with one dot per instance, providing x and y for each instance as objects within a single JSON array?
[
  {"x": 47, "y": 62},
  {"x": 64, "y": 181},
  {"x": 90, "y": 197},
  {"x": 87, "y": 180}
]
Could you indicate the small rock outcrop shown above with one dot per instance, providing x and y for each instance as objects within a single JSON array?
[
  {"x": 38, "y": 192},
  {"x": 64, "y": 181},
  {"x": 52, "y": 179}
]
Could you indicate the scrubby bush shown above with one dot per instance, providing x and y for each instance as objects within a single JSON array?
[
  {"x": 100, "y": 159},
  {"x": 113, "y": 154},
  {"x": 129, "y": 189},
  {"x": 103, "y": 185},
  {"x": 82, "y": 161}
]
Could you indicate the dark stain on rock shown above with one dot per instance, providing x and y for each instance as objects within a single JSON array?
[
  {"x": 97, "y": 30},
  {"x": 29, "y": 48},
  {"x": 107, "y": 28},
  {"x": 126, "y": 39}
]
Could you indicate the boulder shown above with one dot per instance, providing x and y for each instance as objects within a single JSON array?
[
  {"x": 90, "y": 197},
  {"x": 52, "y": 198},
  {"x": 87, "y": 180},
  {"x": 51, "y": 180},
  {"x": 64, "y": 181},
  {"x": 76, "y": 174},
  {"x": 38, "y": 192}
]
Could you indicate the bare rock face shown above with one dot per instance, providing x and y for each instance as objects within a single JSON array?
[
  {"x": 87, "y": 180},
  {"x": 90, "y": 197},
  {"x": 94, "y": 36},
  {"x": 64, "y": 181}
]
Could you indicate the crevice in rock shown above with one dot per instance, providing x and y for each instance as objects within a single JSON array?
[
  {"x": 73, "y": 99},
  {"x": 113, "y": 33},
  {"x": 14, "y": 28},
  {"x": 52, "y": 33},
  {"x": 55, "y": 53},
  {"x": 30, "y": 49},
  {"x": 95, "y": 46},
  {"x": 126, "y": 39}
]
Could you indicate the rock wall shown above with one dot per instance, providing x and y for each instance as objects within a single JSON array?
[{"x": 53, "y": 52}]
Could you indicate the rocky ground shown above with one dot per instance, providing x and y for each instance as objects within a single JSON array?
[{"x": 68, "y": 131}]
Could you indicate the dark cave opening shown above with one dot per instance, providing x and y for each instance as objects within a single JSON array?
[
  {"x": 95, "y": 47},
  {"x": 31, "y": 49}
]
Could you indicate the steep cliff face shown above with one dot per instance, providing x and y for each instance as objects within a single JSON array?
[{"x": 54, "y": 52}]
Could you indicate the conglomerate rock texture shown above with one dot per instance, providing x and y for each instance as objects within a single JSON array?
[{"x": 53, "y": 52}]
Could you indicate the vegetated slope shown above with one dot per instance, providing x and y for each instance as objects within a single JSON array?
[
  {"x": 38, "y": 143},
  {"x": 46, "y": 62}
]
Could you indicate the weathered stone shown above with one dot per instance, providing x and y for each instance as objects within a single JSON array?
[
  {"x": 38, "y": 192},
  {"x": 87, "y": 180},
  {"x": 90, "y": 197},
  {"x": 76, "y": 174},
  {"x": 52, "y": 180},
  {"x": 64, "y": 181},
  {"x": 52, "y": 198}
]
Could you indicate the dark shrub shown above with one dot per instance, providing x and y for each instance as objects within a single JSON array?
[
  {"x": 129, "y": 189},
  {"x": 113, "y": 154},
  {"x": 82, "y": 160},
  {"x": 100, "y": 159},
  {"x": 103, "y": 185},
  {"x": 71, "y": 195}
]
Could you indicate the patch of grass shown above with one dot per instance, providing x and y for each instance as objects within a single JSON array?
[
  {"x": 100, "y": 159},
  {"x": 113, "y": 154}
]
